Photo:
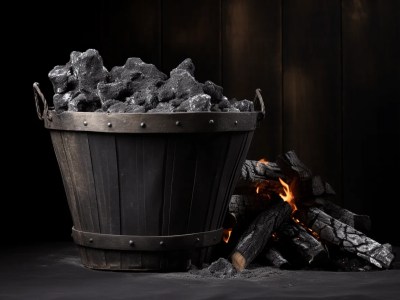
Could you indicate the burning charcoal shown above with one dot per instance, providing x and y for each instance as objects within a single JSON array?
[
  {"x": 196, "y": 103},
  {"x": 215, "y": 91},
  {"x": 359, "y": 222},
  {"x": 88, "y": 69},
  {"x": 254, "y": 239},
  {"x": 187, "y": 65},
  {"x": 255, "y": 171},
  {"x": 162, "y": 107},
  {"x": 346, "y": 237},
  {"x": 84, "y": 102},
  {"x": 61, "y": 101},
  {"x": 310, "y": 250},
  {"x": 118, "y": 90},
  {"x": 59, "y": 78},
  {"x": 276, "y": 259},
  {"x": 244, "y": 105}
]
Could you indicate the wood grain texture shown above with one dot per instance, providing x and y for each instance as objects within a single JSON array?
[
  {"x": 371, "y": 110},
  {"x": 312, "y": 86},
  {"x": 251, "y": 58},
  {"x": 192, "y": 29}
]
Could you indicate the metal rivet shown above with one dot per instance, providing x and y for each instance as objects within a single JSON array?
[
  {"x": 109, "y": 124},
  {"x": 131, "y": 243},
  {"x": 211, "y": 122},
  {"x": 162, "y": 243},
  {"x": 90, "y": 240},
  {"x": 236, "y": 122},
  {"x": 197, "y": 240},
  {"x": 143, "y": 124},
  {"x": 178, "y": 123},
  {"x": 85, "y": 123}
]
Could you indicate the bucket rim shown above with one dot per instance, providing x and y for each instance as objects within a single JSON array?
[{"x": 177, "y": 122}]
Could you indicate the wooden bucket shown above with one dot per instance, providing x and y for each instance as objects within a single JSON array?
[{"x": 148, "y": 191}]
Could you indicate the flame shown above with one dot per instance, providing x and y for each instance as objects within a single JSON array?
[
  {"x": 258, "y": 189},
  {"x": 226, "y": 235},
  {"x": 288, "y": 195}
]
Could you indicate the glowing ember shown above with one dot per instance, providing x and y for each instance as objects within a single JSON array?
[
  {"x": 257, "y": 189},
  {"x": 226, "y": 235},
  {"x": 263, "y": 161},
  {"x": 288, "y": 195}
]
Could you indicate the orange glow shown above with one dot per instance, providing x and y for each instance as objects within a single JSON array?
[
  {"x": 226, "y": 235},
  {"x": 257, "y": 189},
  {"x": 263, "y": 161},
  {"x": 288, "y": 195}
]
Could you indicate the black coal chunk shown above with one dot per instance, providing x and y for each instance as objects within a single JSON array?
[
  {"x": 115, "y": 90},
  {"x": 59, "y": 78},
  {"x": 187, "y": 66},
  {"x": 61, "y": 101},
  {"x": 215, "y": 91},
  {"x": 199, "y": 102},
  {"x": 123, "y": 107},
  {"x": 244, "y": 105},
  {"x": 84, "y": 102},
  {"x": 136, "y": 69}
]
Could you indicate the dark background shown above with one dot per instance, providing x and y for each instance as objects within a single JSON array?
[{"x": 329, "y": 71}]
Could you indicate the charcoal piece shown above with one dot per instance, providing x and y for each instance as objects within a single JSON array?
[
  {"x": 88, "y": 69},
  {"x": 299, "y": 176},
  {"x": 346, "y": 237},
  {"x": 245, "y": 208},
  {"x": 187, "y": 66},
  {"x": 215, "y": 91},
  {"x": 118, "y": 90},
  {"x": 196, "y": 103},
  {"x": 244, "y": 105},
  {"x": 231, "y": 109},
  {"x": 295, "y": 237},
  {"x": 255, "y": 171},
  {"x": 275, "y": 258},
  {"x": 359, "y": 222},
  {"x": 132, "y": 108},
  {"x": 146, "y": 97},
  {"x": 165, "y": 94},
  {"x": 61, "y": 101},
  {"x": 176, "y": 102},
  {"x": 215, "y": 108},
  {"x": 59, "y": 78},
  {"x": 162, "y": 107},
  {"x": 320, "y": 187},
  {"x": 85, "y": 103},
  {"x": 183, "y": 84},
  {"x": 254, "y": 239},
  {"x": 109, "y": 103},
  {"x": 224, "y": 103},
  {"x": 135, "y": 69}
]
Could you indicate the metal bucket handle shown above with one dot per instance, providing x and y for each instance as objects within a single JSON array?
[
  {"x": 38, "y": 94},
  {"x": 260, "y": 99}
]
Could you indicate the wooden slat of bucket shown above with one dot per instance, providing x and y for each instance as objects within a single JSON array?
[
  {"x": 211, "y": 151},
  {"x": 58, "y": 145},
  {"x": 178, "y": 186},
  {"x": 140, "y": 191},
  {"x": 105, "y": 171},
  {"x": 77, "y": 151}
]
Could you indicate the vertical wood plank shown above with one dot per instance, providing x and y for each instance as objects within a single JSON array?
[
  {"x": 131, "y": 29},
  {"x": 191, "y": 29},
  {"x": 78, "y": 155},
  {"x": 252, "y": 56},
  {"x": 312, "y": 86},
  {"x": 106, "y": 180},
  {"x": 371, "y": 111}
]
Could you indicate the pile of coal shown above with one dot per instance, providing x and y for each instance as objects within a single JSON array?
[{"x": 85, "y": 85}]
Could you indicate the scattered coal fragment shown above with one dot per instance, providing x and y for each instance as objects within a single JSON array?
[
  {"x": 84, "y": 84},
  {"x": 220, "y": 268}
]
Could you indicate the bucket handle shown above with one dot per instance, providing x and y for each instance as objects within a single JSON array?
[
  {"x": 260, "y": 99},
  {"x": 38, "y": 94}
]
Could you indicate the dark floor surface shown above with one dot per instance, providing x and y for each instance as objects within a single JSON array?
[{"x": 53, "y": 271}]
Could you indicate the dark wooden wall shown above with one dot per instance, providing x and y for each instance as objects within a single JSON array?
[{"x": 329, "y": 71}]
